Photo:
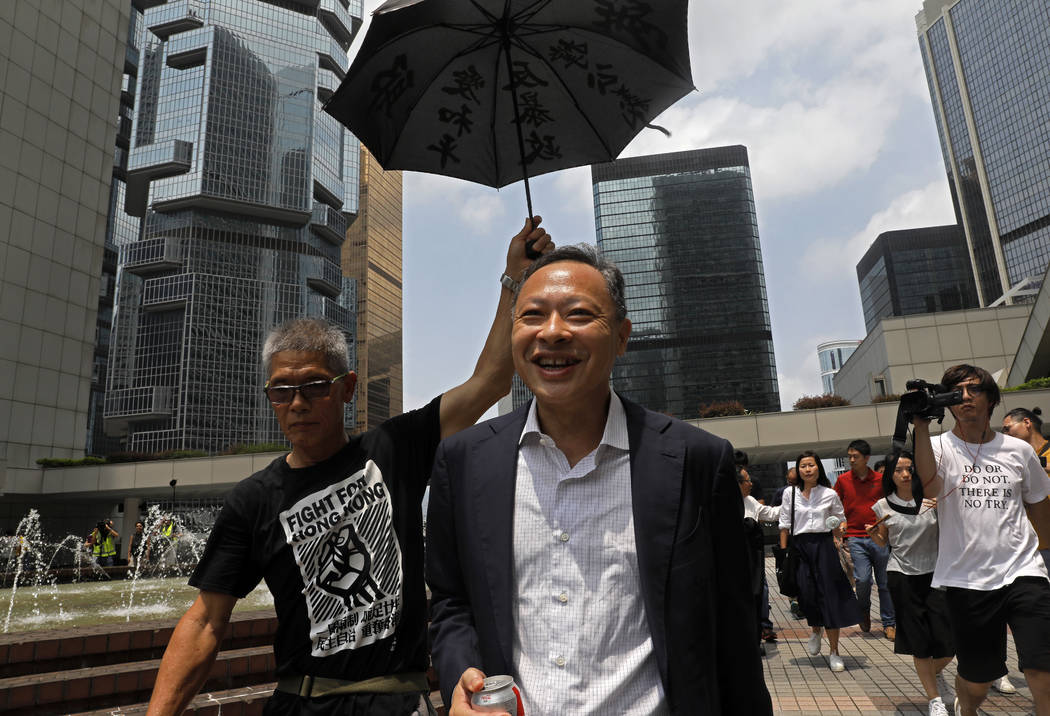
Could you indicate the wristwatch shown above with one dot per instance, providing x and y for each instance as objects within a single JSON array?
[{"x": 508, "y": 282}]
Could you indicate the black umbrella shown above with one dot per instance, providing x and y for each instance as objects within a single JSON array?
[{"x": 494, "y": 91}]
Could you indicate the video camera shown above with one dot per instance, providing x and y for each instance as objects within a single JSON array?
[{"x": 927, "y": 400}]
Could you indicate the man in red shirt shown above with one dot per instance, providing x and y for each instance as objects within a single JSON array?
[{"x": 859, "y": 489}]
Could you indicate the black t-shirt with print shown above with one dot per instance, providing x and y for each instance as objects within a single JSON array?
[{"x": 340, "y": 546}]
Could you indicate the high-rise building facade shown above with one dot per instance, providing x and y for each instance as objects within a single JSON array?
[
  {"x": 832, "y": 354},
  {"x": 372, "y": 257},
  {"x": 683, "y": 230},
  {"x": 244, "y": 186},
  {"x": 913, "y": 271},
  {"x": 988, "y": 69},
  {"x": 121, "y": 229},
  {"x": 60, "y": 88}
]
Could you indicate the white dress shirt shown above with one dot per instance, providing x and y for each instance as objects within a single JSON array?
[
  {"x": 582, "y": 643},
  {"x": 810, "y": 513},
  {"x": 759, "y": 512}
]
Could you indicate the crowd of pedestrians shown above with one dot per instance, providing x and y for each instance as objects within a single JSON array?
[{"x": 955, "y": 537}]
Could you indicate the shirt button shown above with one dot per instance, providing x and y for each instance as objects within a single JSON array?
[
  {"x": 564, "y": 536},
  {"x": 560, "y": 661},
  {"x": 563, "y": 597}
]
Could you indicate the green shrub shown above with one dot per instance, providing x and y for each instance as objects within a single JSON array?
[
  {"x": 1033, "y": 384},
  {"x": 178, "y": 454},
  {"x": 119, "y": 457},
  {"x": 722, "y": 409},
  {"x": 69, "y": 462},
  {"x": 246, "y": 449},
  {"x": 891, "y": 398},
  {"x": 811, "y": 402}
]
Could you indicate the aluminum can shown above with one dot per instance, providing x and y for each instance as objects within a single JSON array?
[{"x": 499, "y": 693}]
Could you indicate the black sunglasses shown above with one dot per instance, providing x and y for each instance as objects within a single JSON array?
[{"x": 314, "y": 390}]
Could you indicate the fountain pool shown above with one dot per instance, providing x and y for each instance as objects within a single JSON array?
[{"x": 63, "y": 606}]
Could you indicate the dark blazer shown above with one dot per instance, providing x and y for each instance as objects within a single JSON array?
[{"x": 692, "y": 559}]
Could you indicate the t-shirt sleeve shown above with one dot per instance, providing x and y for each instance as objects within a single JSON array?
[
  {"x": 938, "y": 447},
  {"x": 880, "y": 507},
  {"x": 415, "y": 435},
  {"x": 227, "y": 566},
  {"x": 1035, "y": 484}
]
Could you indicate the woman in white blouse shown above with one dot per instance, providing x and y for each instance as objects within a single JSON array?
[
  {"x": 825, "y": 596},
  {"x": 908, "y": 524}
]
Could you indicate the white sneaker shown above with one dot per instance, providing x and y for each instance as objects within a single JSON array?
[
  {"x": 1003, "y": 686},
  {"x": 814, "y": 642},
  {"x": 836, "y": 662},
  {"x": 937, "y": 707}
]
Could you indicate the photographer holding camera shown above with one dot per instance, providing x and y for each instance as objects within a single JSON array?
[
  {"x": 103, "y": 543},
  {"x": 987, "y": 549}
]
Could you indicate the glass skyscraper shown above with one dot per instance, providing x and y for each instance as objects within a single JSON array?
[
  {"x": 988, "y": 69},
  {"x": 683, "y": 230},
  {"x": 915, "y": 271},
  {"x": 244, "y": 187},
  {"x": 832, "y": 355}
]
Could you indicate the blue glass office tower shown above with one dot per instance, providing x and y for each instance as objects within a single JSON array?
[
  {"x": 245, "y": 188},
  {"x": 988, "y": 69},
  {"x": 683, "y": 230},
  {"x": 913, "y": 271}
]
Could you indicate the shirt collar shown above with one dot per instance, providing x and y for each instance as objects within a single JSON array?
[{"x": 615, "y": 434}]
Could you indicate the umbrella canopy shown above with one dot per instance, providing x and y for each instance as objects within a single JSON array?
[{"x": 494, "y": 91}]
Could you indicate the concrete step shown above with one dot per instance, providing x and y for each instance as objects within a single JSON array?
[
  {"x": 244, "y": 701},
  {"x": 36, "y": 652},
  {"x": 60, "y": 692}
]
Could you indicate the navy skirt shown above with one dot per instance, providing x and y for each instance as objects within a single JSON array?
[{"x": 825, "y": 596}]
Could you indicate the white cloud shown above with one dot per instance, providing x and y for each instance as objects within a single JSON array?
[
  {"x": 930, "y": 205},
  {"x": 796, "y": 148},
  {"x": 813, "y": 94},
  {"x": 731, "y": 41},
  {"x": 478, "y": 207},
  {"x": 574, "y": 187}
]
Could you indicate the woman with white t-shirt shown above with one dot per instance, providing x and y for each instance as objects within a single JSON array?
[
  {"x": 825, "y": 596},
  {"x": 908, "y": 524}
]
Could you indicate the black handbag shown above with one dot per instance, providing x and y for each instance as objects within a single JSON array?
[{"x": 787, "y": 559}]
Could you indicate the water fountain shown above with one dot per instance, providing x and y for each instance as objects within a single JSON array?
[
  {"x": 76, "y": 636},
  {"x": 57, "y": 584}
]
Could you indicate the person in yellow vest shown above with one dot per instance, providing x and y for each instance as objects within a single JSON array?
[
  {"x": 104, "y": 543},
  {"x": 164, "y": 549}
]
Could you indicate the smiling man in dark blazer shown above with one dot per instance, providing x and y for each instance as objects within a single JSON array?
[{"x": 590, "y": 548}]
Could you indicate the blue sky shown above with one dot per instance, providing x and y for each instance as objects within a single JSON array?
[{"x": 830, "y": 100}]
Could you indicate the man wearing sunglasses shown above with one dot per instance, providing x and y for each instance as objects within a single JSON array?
[
  {"x": 335, "y": 529},
  {"x": 987, "y": 562}
]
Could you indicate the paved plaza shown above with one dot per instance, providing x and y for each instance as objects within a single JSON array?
[{"x": 876, "y": 681}]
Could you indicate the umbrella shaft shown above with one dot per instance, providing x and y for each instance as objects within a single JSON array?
[{"x": 517, "y": 119}]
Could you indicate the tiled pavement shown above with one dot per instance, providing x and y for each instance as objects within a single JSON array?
[{"x": 876, "y": 681}]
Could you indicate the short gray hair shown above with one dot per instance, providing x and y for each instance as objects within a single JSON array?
[
  {"x": 589, "y": 255},
  {"x": 314, "y": 335}
]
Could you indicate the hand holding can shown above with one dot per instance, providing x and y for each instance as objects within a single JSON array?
[{"x": 499, "y": 694}]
